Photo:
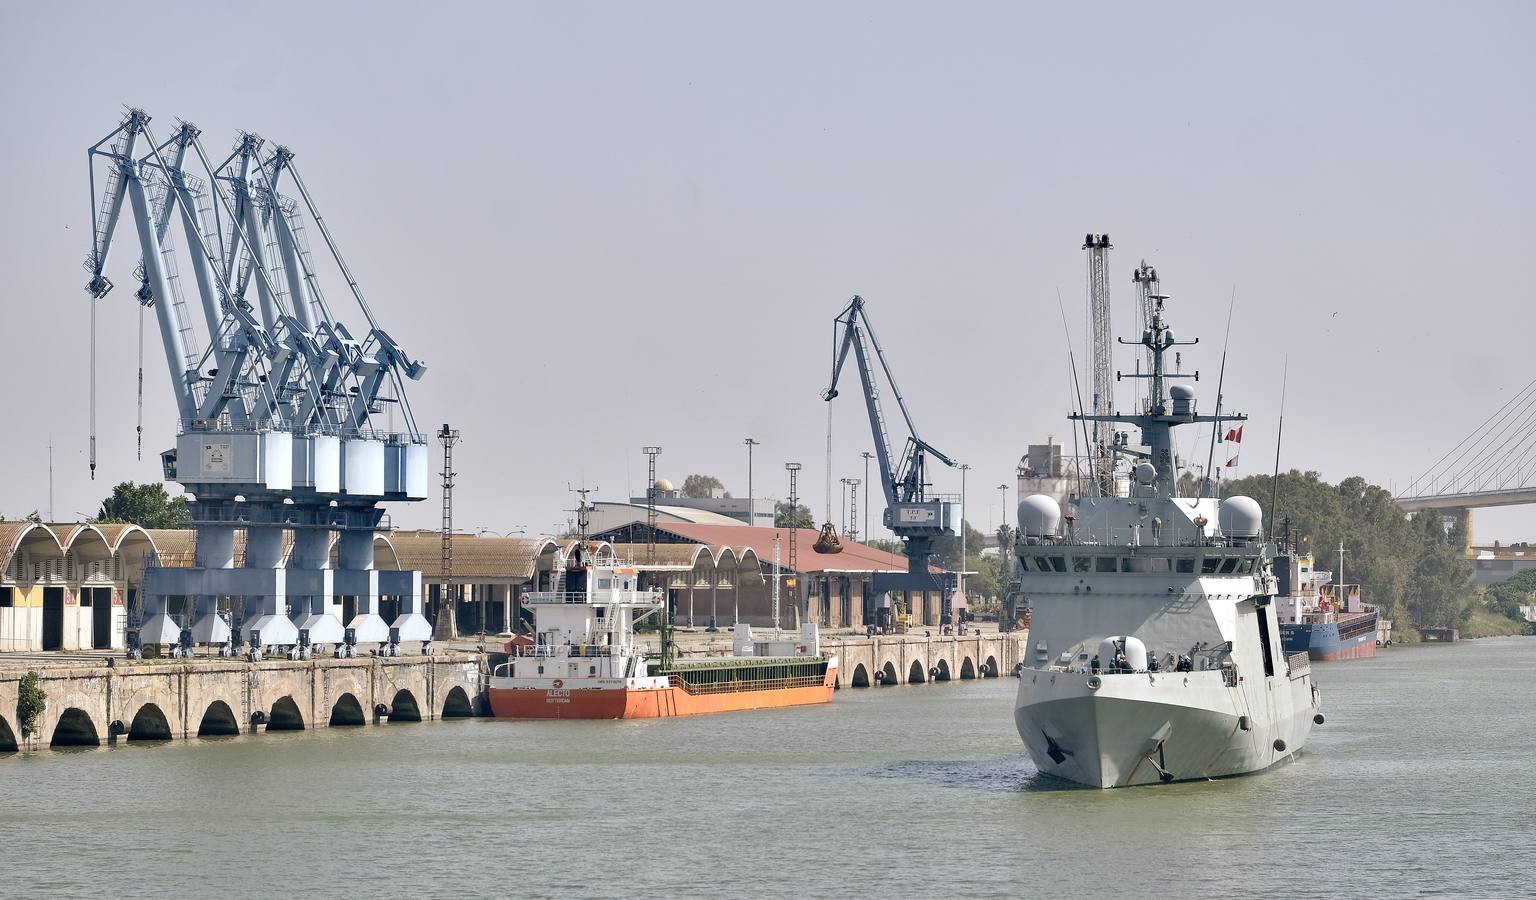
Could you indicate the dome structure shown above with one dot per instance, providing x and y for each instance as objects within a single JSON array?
[
  {"x": 663, "y": 486},
  {"x": 1039, "y": 516},
  {"x": 1241, "y": 517}
]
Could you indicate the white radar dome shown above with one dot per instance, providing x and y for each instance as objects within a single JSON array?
[
  {"x": 1039, "y": 516},
  {"x": 1181, "y": 392},
  {"x": 663, "y": 486},
  {"x": 1241, "y": 517}
]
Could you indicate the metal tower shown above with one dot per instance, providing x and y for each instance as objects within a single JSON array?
[
  {"x": 794, "y": 499},
  {"x": 447, "y": 625},
  {"x": 650, "y": 507},
  {"x": 1149, "y": 291},
  {"x": 1100, "y": 361}
]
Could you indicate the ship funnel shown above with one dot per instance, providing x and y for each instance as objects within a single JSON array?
[
  {"x": 1039, "y": 517},
  {"x": 1241, "y": 517}
]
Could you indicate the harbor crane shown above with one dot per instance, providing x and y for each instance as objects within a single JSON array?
[
  {"x": 912, "y": 513},
  {"x": 279, "y": 436}
]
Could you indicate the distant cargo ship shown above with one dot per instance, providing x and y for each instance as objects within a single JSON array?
[
  {"x": 583, "y": 662},
  {"x": 1324, "y": 620}
]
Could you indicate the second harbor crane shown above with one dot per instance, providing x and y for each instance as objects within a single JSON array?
[{"x": 912, "y": 513}]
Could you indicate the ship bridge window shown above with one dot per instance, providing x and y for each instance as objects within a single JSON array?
[
  {"x": 1159, "y": 564},
  {"x": 1209, "y": 565},
  {"x": 1104, "y": 564},
  {"x": 1228, "y": 566},
  {"x": 1081, "y": 563},
  {"x": 1246, "y": 567},
  {"x": 1184, "y": 565},
  {"x": 604, "y": 584},
  {"x": 1133, "y": 564},
  {"x": 1051, "y": 563}
]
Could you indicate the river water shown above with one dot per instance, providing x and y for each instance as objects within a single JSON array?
[{"x": 1422, "y": 782}]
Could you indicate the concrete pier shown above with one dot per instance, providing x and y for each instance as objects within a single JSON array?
[{"x": 91, "y": 703}]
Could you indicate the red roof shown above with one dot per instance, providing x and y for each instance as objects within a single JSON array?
[{"x": 855, "y": 557}]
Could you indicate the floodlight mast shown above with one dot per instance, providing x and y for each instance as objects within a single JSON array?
[{"x": 912, "y": 514}]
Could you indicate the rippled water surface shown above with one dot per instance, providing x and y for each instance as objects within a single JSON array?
[{"x": 1422, "y": 782}]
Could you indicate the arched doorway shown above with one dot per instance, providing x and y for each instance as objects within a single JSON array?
[
  {"x": 989, "y": 668},
  {"x": 285, "y": 716},
  {"x": 218, "y": 721},
  {"x": 888, "y": 674},
  {"x": 347, "y": 711},
  {"x": 967, "y": 669},
  {"x": 149, "y": 724},
  {"x": 943, "y": 673},
  {"x": 915, "y": 674},
  {"x": 457, "y": 705},
  {"x": 404, "y": 708},
  {"x": 75, "y": 729},
  {"x": 8, "y": 742},
  {"x": 860, "y": 676}
]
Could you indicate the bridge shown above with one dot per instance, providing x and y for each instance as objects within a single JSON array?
[
  {"x": 89, "y": 702},
  {"x": 1494, "y": 465}
]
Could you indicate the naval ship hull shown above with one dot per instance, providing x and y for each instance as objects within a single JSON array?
[{"x": 1110, "y": 731}]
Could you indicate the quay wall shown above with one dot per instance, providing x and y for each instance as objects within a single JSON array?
[
  {"x": 91, "y": 704},
  {"x": 921, "y": 659}
]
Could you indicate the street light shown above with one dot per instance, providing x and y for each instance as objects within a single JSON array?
[
  {"x": 964, "y": 467},
  {"x": 751, "y": 507},
  {"x": 1002, "y": 513}
]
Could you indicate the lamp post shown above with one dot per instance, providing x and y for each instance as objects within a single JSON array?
[
  {"x": 964, "y": 467},
  {"x": 1002, "y": 514},
  {"x": 751, "y": 507},
  {"x": 867, "y": 457}
]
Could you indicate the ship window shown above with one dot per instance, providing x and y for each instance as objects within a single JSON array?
[
  {"x": 1042, "y": 564},
  {"x": 1228, "y": 566},
  {"x": 1081, "y": 563},
  {"x": 602, "y": 612},
  {"x": 1184, "y": 565},
  {"x": 1159, "y": 564},
  {"x": 1059, "y": 563},
  {"x": 1104, "y": 564},
  {"x": 591, "y": 670},
  {"x": 541, "y": 670},
  {"x": 604, "y": 584},
  {"x": 1209, "y": 565},
  {"x": 1246, "y": 568},
  {"x": 1133, "y": 564}
]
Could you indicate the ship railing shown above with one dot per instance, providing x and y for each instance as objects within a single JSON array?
[
  {"x": 563, "y": 651},
  {"x": 638, "y": 598},
  {"x": 734, "y": 686}
]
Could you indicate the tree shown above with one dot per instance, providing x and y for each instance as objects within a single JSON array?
[
  {"x": 797, "y": 516},
  {"x": 701, "y": 486},
  {"x": 144, "y": 505}
]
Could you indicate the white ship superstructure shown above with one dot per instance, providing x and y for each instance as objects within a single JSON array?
[{"x": 1154, "y": 650}]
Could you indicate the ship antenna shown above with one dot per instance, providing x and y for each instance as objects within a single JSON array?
[
  {"x": 1210, "y": 458},
  {"x": 1274, "y": 482},
  {"x": 1092, "y": 471}
]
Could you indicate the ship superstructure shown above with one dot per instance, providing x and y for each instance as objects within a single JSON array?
[{"x": 1154, "y": 651}]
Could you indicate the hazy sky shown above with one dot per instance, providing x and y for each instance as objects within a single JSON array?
[{"x": 610, "y": 225}]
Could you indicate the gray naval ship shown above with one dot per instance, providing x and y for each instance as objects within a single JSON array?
[{"x": 1154, "y": 653}]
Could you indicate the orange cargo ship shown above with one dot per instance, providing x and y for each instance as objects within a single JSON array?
[{"x": 583, "y": 662}]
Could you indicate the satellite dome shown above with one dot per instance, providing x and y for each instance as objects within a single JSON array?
[
  {"x": 663, "y": 486},
  {"x": 1039, "y": 516},
  {"x": 1240, "y": 517}
]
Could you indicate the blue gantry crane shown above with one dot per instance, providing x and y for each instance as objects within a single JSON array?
[
  {"x": 281, "y": 437},
  {"x": 912, "y": 513}
]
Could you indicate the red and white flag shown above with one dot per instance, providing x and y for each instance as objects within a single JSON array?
[{"x": 1234, "y": 436}]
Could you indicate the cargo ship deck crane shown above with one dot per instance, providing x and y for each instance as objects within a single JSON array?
[{"x": 912, "y": 513}]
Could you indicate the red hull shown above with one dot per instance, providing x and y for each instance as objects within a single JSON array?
[
  {"x": 622, "y": 703},
  {"x": 1366, "y": 650}
]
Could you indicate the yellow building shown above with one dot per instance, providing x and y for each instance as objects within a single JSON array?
[{"x": 68, "y": 586}]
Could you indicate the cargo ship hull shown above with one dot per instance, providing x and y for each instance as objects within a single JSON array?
[
  {"x": 645, "y": 698},
  {"x": 1353, "y": 637}
]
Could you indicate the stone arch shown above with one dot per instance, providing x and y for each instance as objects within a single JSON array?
[
  {"x": 457, "y": 705},
  {"x": 8, "y": 743},
  {"x": 347, "y": 711},
  {"x": 218, "y": 720},
  {"x": 967, "y": 669},
  {"x": 915, "y": 673},
  {"x": 989, "y": 668},
  {"x": 860, "y": 676},
  {"x": 943, "y": 673},
  {"x": 404, "y": 707},
  {"x": 285, "y": 716},
  {"x": 888, "y": 674},
  {"x": 149, "y": 724},
  {"x": 75, "y": 729}
]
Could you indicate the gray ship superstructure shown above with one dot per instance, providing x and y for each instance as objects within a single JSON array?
[{"x": 1154, "y": 653}]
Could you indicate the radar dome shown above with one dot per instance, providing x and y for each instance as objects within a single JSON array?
[
  {"x": 663, "y": 486},
  {"x": 1181, "y": 392},
  {"x": 1039, "y": 516},
  {"x": 1241, "y": 517},
  {"x": 1145, "y": 472}
]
